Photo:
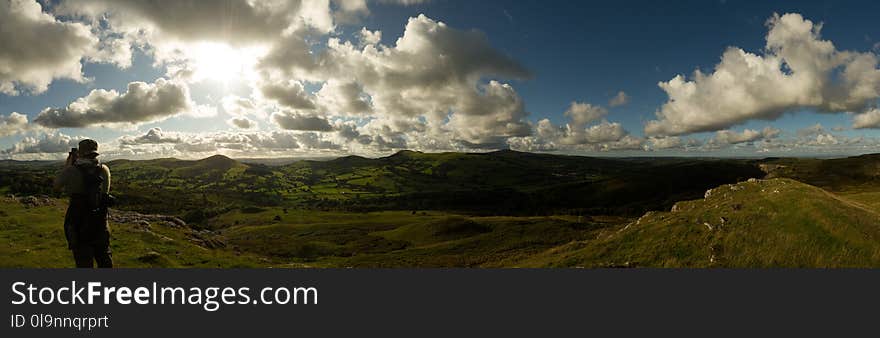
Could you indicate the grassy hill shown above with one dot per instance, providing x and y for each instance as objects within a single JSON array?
[{"x": 763, "y": 223}]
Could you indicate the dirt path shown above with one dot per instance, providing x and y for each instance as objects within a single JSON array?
[{"x": 852, "y": 203}]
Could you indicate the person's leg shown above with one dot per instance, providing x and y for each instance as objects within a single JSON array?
[
  {"x": 101, "y": 248},
  {"x": 84, "y": 257},
  {"x": 104, "y": 257}
]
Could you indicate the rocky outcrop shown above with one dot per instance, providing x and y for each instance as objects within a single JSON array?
[
  {"x": 143, "y": 222},
  {"x": 131, "y": 217},
  {"x": 33, "y": 201}
]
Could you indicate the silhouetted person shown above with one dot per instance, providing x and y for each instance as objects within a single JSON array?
[{"x": 87, "y": 182}]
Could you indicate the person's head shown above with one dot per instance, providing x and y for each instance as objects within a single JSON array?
[{"x": 88, "y": 148}]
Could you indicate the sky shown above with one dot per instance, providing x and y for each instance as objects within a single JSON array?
[{"x": 305, "y": 78}]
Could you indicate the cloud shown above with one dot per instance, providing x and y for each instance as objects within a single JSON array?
[
  {"x": 619, "y": 100},
  {"x": 294, "y": 121},
  {"x": 728, "y": 137},
  {"x": 153, "y": 136},
  {"x": 489, "y": 116},
  {"x": 798, "y": 70},
  {"x": 813, "y": 130},
  {"x": 578, "y": 131},
  {"x": 192, "y": 37},
  {"x": 12, "y": 124},
  {"x": 604, "y": 132},
  {"x": 242, "y": 123},
  {"x": 368, "y": 37},
  {"x": 408, "y": 80},
  {"x": 350, "y": 11},
  {"x": 668, "y": 142},
  {"x": 256, "y": 142},
  {"x": 237, "y": 22},
  {"x": 290, "y": 94},
  {"x": 241, "y": 144},
  {"x": 405, "y": 2},
  {"x": 48, "y": 144},
  {"x": 315, "y": 141},
  {"x": 346, "y": 99},
  {"x": 582, "y": 114},
  {"x": 866, "y": 120},
  {"x": 627, "y": 142},
  {"x": 38, "y": 49},
  {"x": 581, "y": 132},
  {"x": 238, "y": 106},
  {"x": 142, "y": 102},
  {"x": 460, "y": 98}
]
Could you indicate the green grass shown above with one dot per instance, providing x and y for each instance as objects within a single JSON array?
[
  {"x": 399, "y": 239},
  {"x": 34, "y": 238}
]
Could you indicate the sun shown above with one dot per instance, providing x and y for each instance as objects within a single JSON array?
[{"x": 223, "y": 63}]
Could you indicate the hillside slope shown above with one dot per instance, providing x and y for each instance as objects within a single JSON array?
[{"x": 760, "y": 223}]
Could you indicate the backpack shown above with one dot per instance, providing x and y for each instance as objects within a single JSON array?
[{"x": 92, "y": 180}]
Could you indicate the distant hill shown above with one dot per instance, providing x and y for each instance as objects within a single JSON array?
[
  {"x": 833, "y": 174},
  {"x": 763, "y": 223}
]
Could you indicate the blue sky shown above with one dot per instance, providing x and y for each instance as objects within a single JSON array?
[{"x": 576, "y": 51}]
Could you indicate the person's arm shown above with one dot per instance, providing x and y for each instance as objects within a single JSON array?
[
  {"x": 61, "y": 177},
  {"x": 105, "y": 186},
  {"x": 58, "y": 184}
]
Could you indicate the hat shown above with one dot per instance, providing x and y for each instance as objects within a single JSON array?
[{"x": 87, "y": 147}]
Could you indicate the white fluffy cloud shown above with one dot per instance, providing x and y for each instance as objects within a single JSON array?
[
  {"x": 12, "y": 124},
  {"x": 142, "y": 102},
  {"x": 798, "y": 70},
  {"x": 47, "y": 144},
  {"x": 586, "y": 130},
  {"x": 582, "y": 114},
  {"x": 869, "y": 119},
  {"x": 343, "y": 98},
  {"x": 37, "y": 48},
  {"x": 604, "y": 132},
  {"x": 728, "y": 137},
  {"x": 242, "y": 123},
  {"x": 153, "y": 136},
  {"x": 239, "y": 144}
]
